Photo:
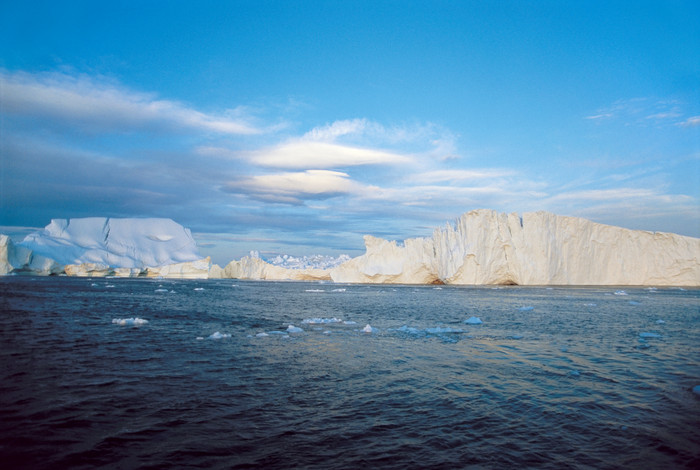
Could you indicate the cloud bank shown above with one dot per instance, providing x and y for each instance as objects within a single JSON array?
[{"x": 86, "y": 145}]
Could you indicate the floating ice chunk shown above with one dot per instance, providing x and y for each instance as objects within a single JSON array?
[
  {"x": 314, "y": 290},
  {"x": 660, "y": 322},
  {"x": 473, "y": 321},
  {"x": 649, "y": 335},
  {"x": 408, "y": 329},
  {"x": 621, "y": 292},
  {"x": 349, "y": 322},
  {"x": 442, "y": 330},
  {"x": 262, "y": 335},
  {"x": 368, "y": 329},
  {"x": 516, "y": 336},
  {"x": 218, "y": 335},
  {"x": 161, "y": 290},
  {"x": 338, "y": 290},
  {"x": 129, "y": 321},
  {"x": 527, "y": 308},
  {"x": 590, "y": 304},
  {"x": 294, "y": 329},
  {"x": 199, "y": 338},
  {"x": 320, "y": 321},
  {"x": 199, "y": 289}
]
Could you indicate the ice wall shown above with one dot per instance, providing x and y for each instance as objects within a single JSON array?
[{"x": 487, "y": 247}]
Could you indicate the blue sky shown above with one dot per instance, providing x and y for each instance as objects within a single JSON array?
[{"x": 298, "y": 127}]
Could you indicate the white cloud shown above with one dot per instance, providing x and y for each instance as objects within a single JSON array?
[
  {"x": 295, "y": 187},
  {"x": 312, "y": 154},
  {"x": 104, "y": 105}
]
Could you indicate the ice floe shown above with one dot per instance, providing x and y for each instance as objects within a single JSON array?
[
  {"x": 218, "y": 335},
  {"x": 473, "y": 321},
  {"x": 129, "y": 321},
  {"x": 442, "y": 330},
  {"x": 321, "y": 321},
  {"x": 294, "y": 329},
  {"x": 368, "y": 329}
]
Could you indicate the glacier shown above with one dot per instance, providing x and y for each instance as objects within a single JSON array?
[{"x": 482, "y": 247}]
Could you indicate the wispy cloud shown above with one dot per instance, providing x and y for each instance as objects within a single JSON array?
[
  {"x": 99, "y": 103},
  {"x": 691, "y": 122}
]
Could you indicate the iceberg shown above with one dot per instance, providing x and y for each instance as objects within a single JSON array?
[
  {"x": 486, "y": 247},
  {"x": 482, "y": 247},
  {"x": 103, "y": 246}
]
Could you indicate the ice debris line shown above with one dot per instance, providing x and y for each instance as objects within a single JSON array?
[{"x": 482, "y": 247}]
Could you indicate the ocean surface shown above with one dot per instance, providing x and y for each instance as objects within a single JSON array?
[{"x": 141, "y": 373}]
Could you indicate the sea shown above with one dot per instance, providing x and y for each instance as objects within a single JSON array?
[{"x": 158, "y": 373}]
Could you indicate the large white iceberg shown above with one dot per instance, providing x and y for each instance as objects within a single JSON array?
[
  {"x": 100, "y": 246},
  {"x": 487, "y": 247},
  {"x": 481, "y": 247}
]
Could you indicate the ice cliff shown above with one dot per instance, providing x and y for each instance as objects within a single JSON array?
[
  {"x": 487, "y": 247},
  {"x": 481, "y": 247},
  {"x": 99, "y": 246}
]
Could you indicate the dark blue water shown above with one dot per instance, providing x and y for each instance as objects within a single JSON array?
[{"x": 552, "y": 378}]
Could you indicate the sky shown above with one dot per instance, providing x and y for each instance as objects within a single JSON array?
[{"x": 297, "y": 127}]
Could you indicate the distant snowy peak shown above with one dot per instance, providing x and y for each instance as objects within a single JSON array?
[{"x": 124, "y": 243}]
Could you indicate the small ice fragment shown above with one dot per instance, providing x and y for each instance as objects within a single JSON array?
[
  {"x": 314, "y": 290},
  {"x": 621, "y": 292},
  {"x": 199, "y": 288},
  {"x": 473, "y": 321},
  {"x": 262, "y": 335},
  {"x": 218, "y": 335},
  {"x": 129, "y": 321},
  {"x": 408, "y": 329},
  {"x": 590, "y": 304},
  {"x": 338, "y": 290},
  {"x": 294, "y": 329},
  {"x": 632, "y": 302},
  {"x": 442, "y": 330},
  {"x": 660, "y": 322},
  {"x": 199, "y": 338},
  {"x": 94, "y": 284},
  {"x": 527, "y": 308},
  {"x": 368, "y": 329},
  {"x": 516, "y": 336},
  {"x": 349, "y": 322},
  {"x": 161, "y": 290},
  {"x": 317, "y": 321},
  {"x": 649, "y": 335}
]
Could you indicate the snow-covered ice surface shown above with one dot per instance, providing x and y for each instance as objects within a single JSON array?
[
  {"x": 584, "y": 378},
  {"x": 124, "y": 243}
]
